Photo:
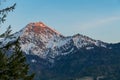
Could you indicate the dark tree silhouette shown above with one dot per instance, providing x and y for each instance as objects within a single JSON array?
[{"x": 13, "y": 66}]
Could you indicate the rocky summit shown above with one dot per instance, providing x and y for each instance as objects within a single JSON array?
[{"x": 53, "y": 56}]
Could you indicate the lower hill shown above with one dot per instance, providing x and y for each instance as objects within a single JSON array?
[{"x": 95, "y": 64}]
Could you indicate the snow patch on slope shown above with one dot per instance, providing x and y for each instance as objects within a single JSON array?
[
  {"x": 27, "y": 47},
  {"x": 82, "y": 41},
  {"x": 89, "y": 48}
]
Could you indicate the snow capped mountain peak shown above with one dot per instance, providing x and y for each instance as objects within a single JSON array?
[
  {"x": 39, "y": 24},
  {"x": 38, "y": 39},
  {"x": 82, "y": 41},
  {"x": 36, "y": 24},
  {"x": 40, "y": 27}
]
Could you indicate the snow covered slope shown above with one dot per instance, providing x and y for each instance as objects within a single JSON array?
[{"x": 38, "y": 39}]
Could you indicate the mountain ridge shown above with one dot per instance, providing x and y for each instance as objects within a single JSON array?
[
  {"x": 38, "y": 39},
  {"x": 53, "y": 56}
]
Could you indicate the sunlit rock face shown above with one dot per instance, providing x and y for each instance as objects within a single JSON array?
[{"x": 47, "y": 43}]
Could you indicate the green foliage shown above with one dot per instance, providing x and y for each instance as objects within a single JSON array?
[
  {"x": 3, "y": 66},
  {"x": 12, "y": 66},
  {"x": 7, "y": 33},
  {"x": 4, "y": 12},
  {"x": 3, "y": 15}
]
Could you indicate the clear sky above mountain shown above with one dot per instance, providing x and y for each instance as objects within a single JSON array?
[{"x": 99, "y": 19}]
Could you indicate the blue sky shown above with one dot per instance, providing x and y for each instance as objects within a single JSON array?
[{"x": 99, "y": 19}]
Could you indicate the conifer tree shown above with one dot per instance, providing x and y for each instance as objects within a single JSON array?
[
  {"x": 3, "y": 66},
  {"x": 18, "y": 69},
  {"x": 14, "y": 66}
]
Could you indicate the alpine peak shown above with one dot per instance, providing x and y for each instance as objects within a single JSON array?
[
  {"x": 45, "y": 42},
  {"x": 37, "y": 24},
  {"x": 40, "y": 27}
]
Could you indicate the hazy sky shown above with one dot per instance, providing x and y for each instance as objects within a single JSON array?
[{"x": 99, "y": 19}]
